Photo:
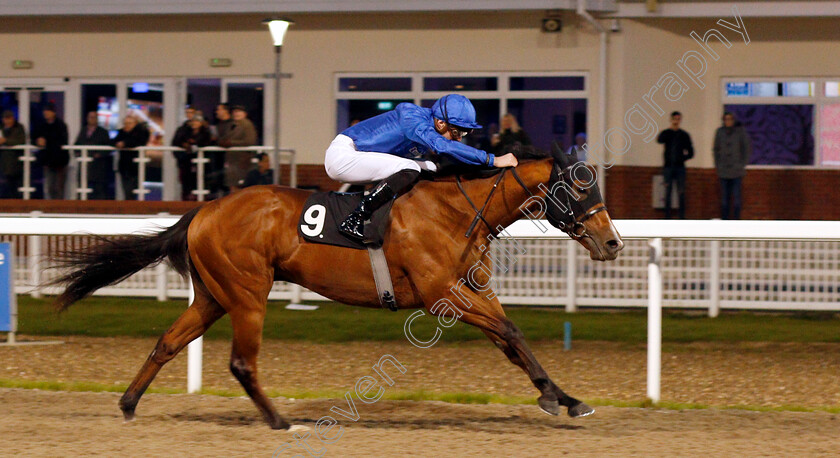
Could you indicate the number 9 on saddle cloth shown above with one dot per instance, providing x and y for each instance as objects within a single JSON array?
[{"x": 324, "y": 211}]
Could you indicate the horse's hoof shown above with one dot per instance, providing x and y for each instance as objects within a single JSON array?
[
  {"x": 580, "y": 410},
  {"x": 298, "y": 429},
  {"x": 549, "y": 406}
]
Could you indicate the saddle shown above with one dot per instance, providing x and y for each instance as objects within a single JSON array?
[{"x": 319, "y": 220}]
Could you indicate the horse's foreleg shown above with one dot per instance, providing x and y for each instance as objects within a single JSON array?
[
  {"x": 247, "y": 337},
  {"x": 194, "y": 322},
  {"x": 489, "y": 316}
]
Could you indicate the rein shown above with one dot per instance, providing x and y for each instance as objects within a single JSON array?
[
  {"x": 576, "y": 230},
  {"x": 479, "y": 214}
]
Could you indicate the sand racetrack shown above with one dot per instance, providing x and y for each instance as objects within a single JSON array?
[
  {"x": 46, "y": 423},
  {"x": 40, "y": 423}
]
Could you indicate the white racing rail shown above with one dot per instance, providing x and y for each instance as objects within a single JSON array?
[
  {"x": 777, "y": 265},
  {"x": 81, "y": 159}
]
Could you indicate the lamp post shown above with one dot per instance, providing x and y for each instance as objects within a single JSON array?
[{"x": 278, "y": 28}]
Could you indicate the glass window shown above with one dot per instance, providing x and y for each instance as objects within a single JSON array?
[
  {"x": 832, "y": 89},
  {"x": 547, "y": 83},
  {"x": 771, "y": 89},
  {"x": 249, "y": 95},
  {"x": 780, "y": 134},
  {"x": 395, "y": 84},
  {"x": 550, "y": 122},
  {"x": 204, "y": 94},
  {"x": 460, "y": 83},
  {"x": 102, "y": 98},
  {"x": 798, "y": 89},
  {"x": 830, "y": 134},
  {"x": 350, "y": 112}
]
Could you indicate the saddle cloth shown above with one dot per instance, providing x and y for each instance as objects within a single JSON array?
[{"x": 324, "y": 211}]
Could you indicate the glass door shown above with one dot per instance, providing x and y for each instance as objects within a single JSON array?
[{"x": 27, "y": 103}]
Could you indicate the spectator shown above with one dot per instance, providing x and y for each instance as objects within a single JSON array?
[
  {"x": 732, "y": 154},
  {"x": 237, "y": 163},
  {"x": 262, "y": 174},
  {"x": 577, "y": 150},
  {"x": 221, "y": 133},
  {"x": 678, "y": 149},
  {"x": 484, "y": 142},
  {"x": 99, "y": 171},
  {"x": 131, "y": 135},
  {"x": 11, "y": 167},
  {"x": 197, "y": 135},
  {"x": 510, "y": 135},
  {"x": 51, "y": 136}
]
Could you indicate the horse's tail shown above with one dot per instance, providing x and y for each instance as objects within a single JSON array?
[{"x": 111, "y": 261}]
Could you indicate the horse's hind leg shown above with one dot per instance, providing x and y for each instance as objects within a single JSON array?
[
  {"x": 489, "y": 316},
  {"x": 203, "y": 312},
  {"x": 247, "y": 337}
]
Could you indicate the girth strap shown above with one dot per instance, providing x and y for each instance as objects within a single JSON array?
[{"x": 382, "y": 278}]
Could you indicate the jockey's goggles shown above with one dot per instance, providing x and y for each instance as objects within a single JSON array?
[{"x": 459, "y": 132}]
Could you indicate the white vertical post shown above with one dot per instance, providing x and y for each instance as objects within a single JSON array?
[
  {"x": 83, "y": 161},
  {"x": 714, "y": 280},
  {"x": 200, "y": 162},
  {"x": 160, "y": 275},
  {"x": 27, "y": 159},
  {"x": 654, "y": 350},
  {"x": 194, "y": 354},
  {"x": 34, "y": 242},
  {"x": 296, "y": 294},
  {"x": 141, "y": 161},
  {"x": 571, "y": 276}
]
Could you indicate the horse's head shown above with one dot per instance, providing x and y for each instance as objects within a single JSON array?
[{"x": 575, "y": 206}]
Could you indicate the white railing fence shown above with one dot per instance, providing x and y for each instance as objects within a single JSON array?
[
  {"x": 81, "y": 160},
  {"x": 712, "y": 265}
]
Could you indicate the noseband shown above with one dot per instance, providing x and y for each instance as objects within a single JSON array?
[{"x": 576, "y": 229}]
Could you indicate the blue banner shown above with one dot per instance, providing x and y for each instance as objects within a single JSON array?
[{"x": 6, "y": 287}]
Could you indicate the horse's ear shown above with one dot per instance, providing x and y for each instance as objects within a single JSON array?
[{"x": 561, "y": 158}]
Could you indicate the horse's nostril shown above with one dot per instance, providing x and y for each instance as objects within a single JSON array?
[{"x": 615, "y": 245}]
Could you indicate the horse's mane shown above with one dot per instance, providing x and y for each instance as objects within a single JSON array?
[{"x": 449, "y": 168}]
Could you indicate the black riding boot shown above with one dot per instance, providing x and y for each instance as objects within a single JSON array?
[{"x": 387, "y": 190}]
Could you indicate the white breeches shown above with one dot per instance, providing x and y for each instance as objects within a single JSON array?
[{"x": 345, "y": 164}]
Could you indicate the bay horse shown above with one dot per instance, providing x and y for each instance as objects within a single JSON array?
[{"x": 236, "y": 247}]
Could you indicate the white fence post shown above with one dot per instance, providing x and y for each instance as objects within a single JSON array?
[
  {"x": 200, "y": 162},
  {"x": 27, "y": 159},
  {"x": 571, "y": 276},
  {"x": 714, "y": 280},
  {"x": 160, "y": 275},
  {"x": 32, "y": 258},
  {"x": 654, "y": 350},
  {"x": 194, "y": 354}
]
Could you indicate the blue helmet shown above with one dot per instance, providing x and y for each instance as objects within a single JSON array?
[{"x": 457, "y": 110}]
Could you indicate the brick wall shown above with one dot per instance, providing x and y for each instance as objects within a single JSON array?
[{"x": 783, "y": 194}]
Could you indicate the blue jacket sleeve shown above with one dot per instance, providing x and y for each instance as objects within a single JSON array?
[{"x": 416, "y": 128}]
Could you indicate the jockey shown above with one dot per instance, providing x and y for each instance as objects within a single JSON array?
[{"x": 389, "y": 147}]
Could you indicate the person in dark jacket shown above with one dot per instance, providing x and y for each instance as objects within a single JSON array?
[
  {"x": 99, "y": 171},
  {"x": 509, "y": 135},
  {"x": 732, "y": 154},
  {"x": 678, "y": 149},
  {"x": 51, "y": 136},
  {"x": 263, "y": 174},
  {"x": 194, "y": 134},
  {"x": 131, "y": 135},
  {"x": 11, "y": 168}
]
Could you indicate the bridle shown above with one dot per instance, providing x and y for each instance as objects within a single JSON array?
[{"x": 571, "y": 225}]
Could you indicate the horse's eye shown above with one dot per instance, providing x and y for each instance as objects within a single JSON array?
[{"x": 581, "y": 191}]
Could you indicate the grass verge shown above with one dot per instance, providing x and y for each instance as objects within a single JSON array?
[{"x": 133, "y": 317}]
